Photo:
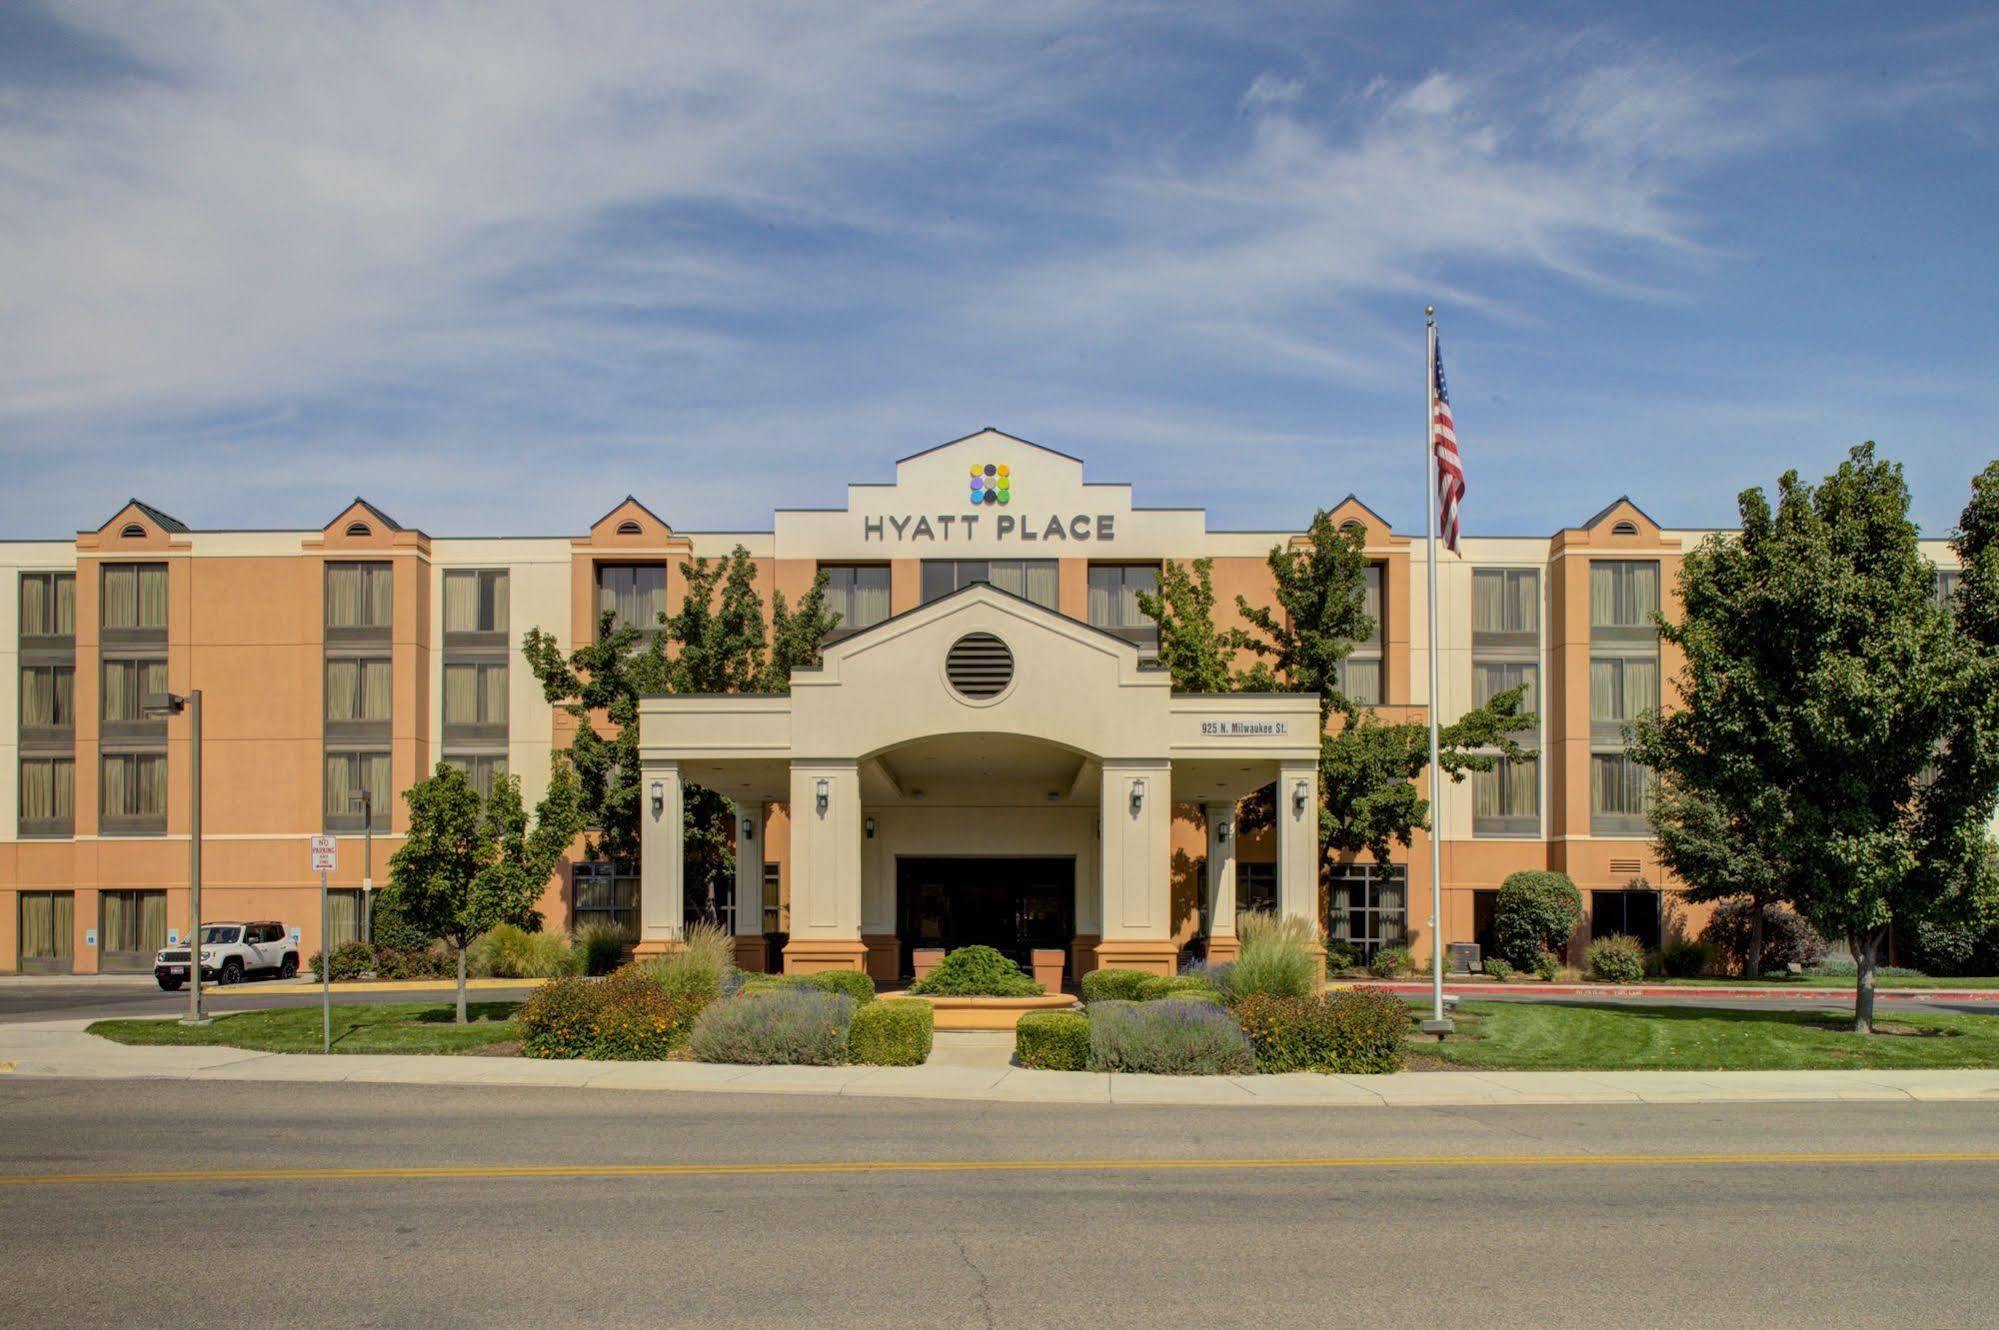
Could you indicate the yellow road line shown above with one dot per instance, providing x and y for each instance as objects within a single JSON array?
[{"x": 476, "y": 1172}]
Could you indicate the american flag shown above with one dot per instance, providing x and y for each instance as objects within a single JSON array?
[{"x": 1444, "y": 439}]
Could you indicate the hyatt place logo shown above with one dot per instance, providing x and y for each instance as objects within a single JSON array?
[{"x": 991, "y": 484}]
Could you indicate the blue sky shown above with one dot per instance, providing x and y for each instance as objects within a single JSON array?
[{"x": 494, "y": 265}]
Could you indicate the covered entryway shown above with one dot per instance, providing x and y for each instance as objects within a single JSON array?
[{"x": 1013, "y": 905}]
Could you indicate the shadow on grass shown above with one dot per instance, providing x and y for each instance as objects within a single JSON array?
[
  {"x": 1830, "y": 1021},
  {"x": 474, "y": 1013}
]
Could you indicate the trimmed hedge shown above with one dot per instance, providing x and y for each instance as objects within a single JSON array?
[
  {"x": 1498, "y": 970},
  {"x": 788, "y": 1027},
  {"x": 976, "y": 972},
  {"x": 1534, "y": 912},
  {"x": 1171, "y": 1037},
  {"x": 351, "y": 960},
  {"x": 1053, "y": 1040},
  {"x": 1192, "y": 987},
  {"x": 1616, "y": 959},
  {"x": 851, "y": 982},
  {"x": 625, "y": 1017},
  {"x": 895, "y": 1033},
  {"x": 508, "y": 951},
  {"x": 1359, "y": 1031},
  {"x": 355, "y": 960},
  {"x": 1114, "y": 985}
]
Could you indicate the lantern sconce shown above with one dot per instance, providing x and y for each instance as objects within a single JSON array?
[
  {"x": 1224, "y": 830},
  {"x": 824, "y": 795},
  {"x": 1298, "y": 799},
  {"x": 870, "y": 823},
  {"x": 748, "y": 827},
  {"x": 658, "y": 797},
  {"x": 1137, "y": 796}
]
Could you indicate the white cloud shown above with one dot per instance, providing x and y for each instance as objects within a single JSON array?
[{"x": 1269, "y": 89}]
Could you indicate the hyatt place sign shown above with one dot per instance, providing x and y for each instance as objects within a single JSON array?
[{"x": 947, "y": 527}]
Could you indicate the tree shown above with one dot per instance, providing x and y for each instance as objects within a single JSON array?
[
  {"x": 467, "y": 864},
  {"x": 1819, "y": 736},
  {"x": 1200, "y": 657}
]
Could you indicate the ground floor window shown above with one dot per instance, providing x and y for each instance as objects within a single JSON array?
[
  {"x": 606, "y": 896},
  {"x": 48, "y": 931},
  {"x": 1367, "y": 906},
  {"x": 343, "y": 916},
  {"x": 133, "y": 926},
  {"x": 773, "y": 897},
  {"x": 1484, "y": 911},
  {"x": 1632, "y": 913},
  {"x": 1256, "y": 888}
]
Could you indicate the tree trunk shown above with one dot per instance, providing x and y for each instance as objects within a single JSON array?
[
  {"x": 1753, "y": 967},
  {"x": 1864, "y": 947},
  {"x": 461, "y": 983}
]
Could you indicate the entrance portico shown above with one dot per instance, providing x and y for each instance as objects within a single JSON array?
[{"x": 984, "y": 729}]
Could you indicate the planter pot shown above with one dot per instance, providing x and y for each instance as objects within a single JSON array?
[
  {"x": 1048, "y": 968},
  {"x": 926, "y": 959}
]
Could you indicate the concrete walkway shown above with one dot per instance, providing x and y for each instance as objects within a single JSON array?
[{"x": 970, "y": 1071}]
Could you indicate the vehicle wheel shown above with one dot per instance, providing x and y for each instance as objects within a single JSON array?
[
  {"x": 171, "y": 985},
  {"x": 232, "y": 971},
  {"x": 288, "y": 968}
]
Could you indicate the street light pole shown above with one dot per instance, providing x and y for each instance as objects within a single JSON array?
[
  {"x": 367, "y": 865},
  {"x": 173, "y": 704}
]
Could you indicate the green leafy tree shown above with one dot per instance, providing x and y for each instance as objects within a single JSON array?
[
  {"x": 1820, "y": 733},
  {"x": 1200, "y": 657}
]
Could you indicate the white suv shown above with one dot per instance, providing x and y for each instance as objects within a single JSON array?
[{"x": 231, "y": 953}]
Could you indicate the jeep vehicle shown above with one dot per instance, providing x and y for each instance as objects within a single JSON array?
[{"x": 231, "y": 953}]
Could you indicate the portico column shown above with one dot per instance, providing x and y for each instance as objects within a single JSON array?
[
  {"x": 1298, "y": 841},
  {"x": 825, "y": 868},
  {"x": 1221, "y": 882},
  {"x": 662, "y": 861},
  {"x": 1136, "y": 862},
  {"x": 749, "y": 886}
]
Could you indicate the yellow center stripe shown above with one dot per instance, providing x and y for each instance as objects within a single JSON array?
[{"x": 473, "y": 1172}]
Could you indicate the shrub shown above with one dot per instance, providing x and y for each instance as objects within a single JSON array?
[
  {"x": 1359, "y": 1031},
  {"x": 896, "y": 1033},
  {"x": 415, "y": 963},
  {"x": 1787, "y": 938},
  {"x": 1278, "y": 956},
  {"x": 1341, "y": 955},
  {"x": 389, "y": 930},
  {"x": 1053, "y": 1040},
  {"x": 1193, "y": 987},
  {"x": 625, "y": 1017},
  {"x": 792, "y": 1027},
  {"x": 709, "y": 944},
  {"x": 690, "y": 977},
  {"x": 1535, "y": 912},
  {"x": 1389, "y": 962},
  {"x": 1842, "y": 967},
  {"x": 505, "y": 951},
  {"x": 1172, "y": 1037},
  {"x": 603, "y": 946},
  {"x": 1684, "y": 958},
  {"x": 851, "y": 982},
  {"x": 1116, "y": 984},
  {"x": 1547, "y": 965},
  {"x": 976, "y": 972},
  {"x": 1498, "y": 970},
  {"x": 1616, "y": 959},
  {"x": 351, "y": 960}
]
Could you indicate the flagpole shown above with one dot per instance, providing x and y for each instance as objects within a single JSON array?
[{"x": 1437, "y": 1024}]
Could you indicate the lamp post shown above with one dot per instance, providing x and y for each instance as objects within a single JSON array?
[
  {"x": 367, "y": 797},
  {"x": 173, "y": 704}
]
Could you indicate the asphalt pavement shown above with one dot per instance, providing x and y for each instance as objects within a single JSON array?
[
  {"x": 814, "y": 1212},
  {"x": 101, "y": 997}
]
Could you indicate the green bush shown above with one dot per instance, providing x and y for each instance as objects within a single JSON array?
[
  {"x": 1359, "y": 1031},
  {"x": 624, "y": 1017},
  {"x": 1788, "y": 939},
  {"x": 895, "y": 1033},
  {"x": 1390, "y": 962},
  {"x": 1053, "y": 1040},
  {"x": 604, "y": 947},
  {"x": 789, "y": 1027},
  {"x": 976, "y": 972},
  {"x": 851, "y": 982},
  {"x": 1115, "y": 984},
  {"x": 1277, "y": 956},
  {"x": 1171, "y": 1037},
  {"x": 1842, "y": 967},
  {"x": 1547, "y": 965},
  {"x": 351, "y": 960},
  {"x": 1535, "y": 912},
  {"x": 505, "y": 951},
  {"x": 1498, "y": 970},
  {"x": 1616, "y": 959},
  {"x": 1341, "y": 955},
  {"x": 1190, "y": 986},
  {"x": 1685, "y": 958},
  {"x": 389, "y": 930},
  {"x": 690, "y": 977}
]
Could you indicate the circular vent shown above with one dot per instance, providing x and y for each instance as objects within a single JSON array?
[{"x": 979, "y": 665}]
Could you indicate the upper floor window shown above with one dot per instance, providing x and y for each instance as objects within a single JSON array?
[
  {"x": 48, "y": 697},
  {"x": 482, "y": 771},
  {"x": 858, "y": 593},
  {"x": 133, "y": 788},
  {"x": 1505, "y": 600},
  {"x": 475, "y": 693},
  {"x": 129, "y": 685},
  {"x": 347, "y": 776},
  {"x": 634, "y": 594},
  {"x": 1360, "y": 672},
  {"x": 135, "y": 595},
  {"x": 1623, "y": 593},
  {"x": 1030, "y": 579},
  {"x": 48, "y": 605},
  {"x": 48, "y": 795},
  {"x": 1489, "y": 678},
  {"x": 1113, "y": 601},
  {"x": 359, "y": 595},
  {"x": 1948, "y": 581},
  {"x": 358, "y": 689},
  {"x": 1622, "y": 688},
  {"x": 475, "y": 600}
]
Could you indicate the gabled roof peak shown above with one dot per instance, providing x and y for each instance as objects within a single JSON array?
[
  {"x": 1612, "y": 506},
  {"x": 387, "y": 521},
  {"x": 164, "y": 521},
  {"x": 633, "y": 501}
]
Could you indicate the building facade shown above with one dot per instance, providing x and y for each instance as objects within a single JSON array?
[{"x": 984, "y": 755}]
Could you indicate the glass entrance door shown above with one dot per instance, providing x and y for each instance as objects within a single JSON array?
[{"x": 1011, "y": 905}]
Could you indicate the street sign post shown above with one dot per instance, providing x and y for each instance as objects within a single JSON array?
[{"x": 325, "y": 858}]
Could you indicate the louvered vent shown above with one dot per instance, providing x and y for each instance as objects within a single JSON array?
[
  {"x": 1620, "y": 866},
  {"x": 979, "y": 665}
]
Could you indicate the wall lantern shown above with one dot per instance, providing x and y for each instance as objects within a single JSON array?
[
  {"x": 658, "y": 797},
  {"x": 871, "y": 828},
  {"x": 824, "y": 794},
  {"x": 1137, "y": 795},
  {"x": 1298, "y": 799},
  {"x": 1224, "y": 830},
  {"x": 749, "y": 828}
]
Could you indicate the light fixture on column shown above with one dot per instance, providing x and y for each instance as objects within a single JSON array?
[
  {"x": 824, "y": 794},
  {"x": 1225, "y": 829},
  {"x": 749, "y": 827},
  {"x": 1298, "y": 799},
  {"x": 870, "y": 823},
  {"x": 658, "y": 797},
  {"x": 1137, "y": 795}
]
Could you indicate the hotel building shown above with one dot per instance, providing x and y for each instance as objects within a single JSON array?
[{"x": 985, "y": 754}]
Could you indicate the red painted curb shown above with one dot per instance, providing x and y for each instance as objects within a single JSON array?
[{"x": 1679, "y": 991}]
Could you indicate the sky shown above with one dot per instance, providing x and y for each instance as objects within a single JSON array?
[{"x": 494, "y": 265}]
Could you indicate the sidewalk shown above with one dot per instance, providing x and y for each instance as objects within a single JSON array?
[{"x": 965, "y": 1072}]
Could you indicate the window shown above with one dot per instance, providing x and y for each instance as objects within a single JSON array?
[
  {"x": 482, "y": 771},
  {"x": 1490, "y": 678},
  {"x": 343, "y": 917},
  {"x": 48, "y": 605},
  {"x": 1632, "y": 913},
  {"x": 773, "y": 897},
  {"x": 475, "y": 601},
  {"x": 134, "y": 927},
  {"x": 48, "y": 697},
  {"x": 1625, "y": 528},
  {"x": 359, "y": 595},
  {"x": 606, "y": 896},
  {"x": 358, "y": 689},
  {"x": 135, "y": 596},
  {"x": 1360, "y": 671},
  {"x": 132, "y": 531},
  {"x": 127, "y": 686},
  {"x": 134, "y": 791},
  {"x": 1623, "y": 593},
  {"x": 1506, "y": 801},
  {"x": 48, "y": 931},
  {"x": 347, "y": 774},
  {"x": 1113, "y": 603},
  {"x": 634, "y": 595},
  {"x": 1621, "y": 688},
  {"x": 858, "y": 593},
  {"x": 1948, "y": 581},
  {"x": 1255, "y": 888},
  {"x": 1505, "y": 600},
  {"x": 1620, "y": 792},
  {"x": 1366, "y": 906},
  {"x": 1031, "y": 579},
  {"x": 48, "y": 796},
  {"x": 630, "y": 528},
  {"x": 475, "y": 694}
]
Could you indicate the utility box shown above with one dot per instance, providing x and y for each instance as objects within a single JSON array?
[{"x": 1464, "y": 957}]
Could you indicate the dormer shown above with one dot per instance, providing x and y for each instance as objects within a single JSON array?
[
  {"x": 137, "y": 528},
  {"x": 1621, "y": 524},
  {"x": 1350, "y": 512},
  {"x": 630, "y": 525}
]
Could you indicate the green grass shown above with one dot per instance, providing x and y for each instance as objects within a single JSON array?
[
  {"x": 1840, "y": 981},
  {"x": 1534, "y": 1036},
  {"x": 400, "y": 1027}
]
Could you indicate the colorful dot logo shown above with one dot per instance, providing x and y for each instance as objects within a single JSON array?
[{"x": 991, "y": 484}]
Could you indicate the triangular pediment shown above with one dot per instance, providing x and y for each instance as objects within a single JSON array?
[
  {"x": 138, "y": 526},
  {"x": 630, "y": 523}
]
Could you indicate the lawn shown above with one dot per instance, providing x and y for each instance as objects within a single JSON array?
[
  {"x": 400, "y": 1027},
  {"x": 1533, "y": 1036},
  {"x": 1842, "y": 981}
]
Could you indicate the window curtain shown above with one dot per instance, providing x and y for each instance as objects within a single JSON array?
[
  {"x": 152, "y": 596},
  {"x": 371, "y": 682},
  {"x": 1371, "y": 600},
  {"x": 1641, "y": 686},
  {"x": 121, "y": 597},
  {"x": 1606, "y": 690},
  {"x": 48, "y": 789},
  {"x": 1491, "y": 678},
  {"x": 1505, "y": 601},
  {"x": 1360, "y": 680},
  {"x": 340, "y": 790},
  {"x": 35, "y": 607},
  {"x": 1032, "y": 579},
  {"x": 1507, "y": 791},
  {"x": 1104, "y": 583},
  {"x": 48, "y": 695},
  {"x": 48, "y": 923},
  {"x": 461, "y": 602},
  {"x": 870, "y": 601},
  {"x": 135, "y": 921},
  {"x": 461, "y": 694},
  {"x": 1623, "y": 594},
  {"x": 495, "y": 593},
  {"x": 636, "y": 595},
  {"x": 493, "y": 694},
  {"x": 1114, "y": 596},
  {"x": 1617, "y": 785},
  {"x": 343, "y": 595},
  {"x": 381, "y": 593},
  {"x": 48, "y": 606},
  {"x": 1488, "y": 602},
  {"x": 127, "y": 685},
  {"x": 343, "y": 910}
]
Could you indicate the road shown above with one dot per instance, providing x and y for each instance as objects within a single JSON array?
[
  {"x": 1325, "y": 1237},
  {"x": 99, "y": 997}
]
